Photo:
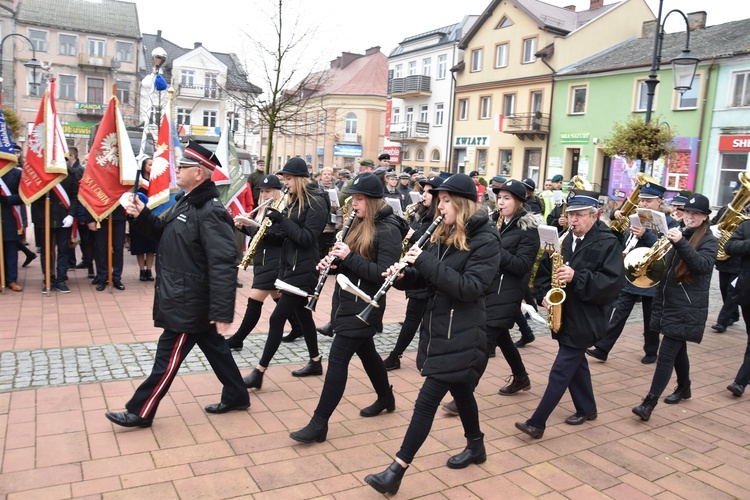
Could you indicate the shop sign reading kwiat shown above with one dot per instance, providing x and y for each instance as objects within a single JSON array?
[{"x": 466, "y": 141}]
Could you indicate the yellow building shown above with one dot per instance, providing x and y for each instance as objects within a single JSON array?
[{"x": 503, "y": 95}]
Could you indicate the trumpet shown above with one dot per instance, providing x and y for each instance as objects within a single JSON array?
[
  {"x": 313, "y": 302},
  {"x": 400, "y": 266}
]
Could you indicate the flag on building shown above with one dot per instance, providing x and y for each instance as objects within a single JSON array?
[
  {"x": 8, "y": 158},
  {"x": 110, "y": 158},
  {"x": 45, "y": 166},
  {"x": 234, "y": 187}
]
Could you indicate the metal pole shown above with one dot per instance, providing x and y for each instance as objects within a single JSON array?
[{"x": 653, "y": 81}]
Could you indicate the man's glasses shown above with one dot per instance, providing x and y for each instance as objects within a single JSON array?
[{"x": 181, "y": 167}]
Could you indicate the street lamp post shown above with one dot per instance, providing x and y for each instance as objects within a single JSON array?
[{"x": 33, "y": 64}]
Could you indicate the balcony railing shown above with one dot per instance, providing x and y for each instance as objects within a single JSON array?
[
  {"x": 94, "y": 61},
  {"x": 411, "y": 85},
  {"x": 527, "y": 125},
  {"x": 410, "y": 131},
  {"x": 199, "y": 91}
]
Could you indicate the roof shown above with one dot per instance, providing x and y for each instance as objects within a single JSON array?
[
  {"x": 237, "y": 78},
  {"x": 365, "y": 75},
  {"x": 722, "y": 40},
  {"x": 105, "y": 17},
  {"x": 547, "y": 17},
  {"x": 447, "y": 35}
]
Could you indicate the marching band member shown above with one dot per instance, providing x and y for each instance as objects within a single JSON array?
[
  {"x": 592, "y": 273},
  {"x": 681, "y": 302},
  {"x": 456, "y": 268},
  {"x": 306, "y": 217},
  {"x": 416, "y": 298},
  {"x": 739, "y": 246},
  {"x": 371, "y": 245}
]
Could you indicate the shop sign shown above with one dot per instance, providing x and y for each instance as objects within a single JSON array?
[
  {"x": 463, "y": 141},
  {"x": 736, "y": 143},
  {"x": 348, "y": 150},
  {"x": 91, "y": 105},
  {"x": 395, "y": 152},
  {"x": 575, "y": 138},
  {"x": 80, "y": 129}
]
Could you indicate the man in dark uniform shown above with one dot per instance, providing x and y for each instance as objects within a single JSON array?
[
  {"x": 592, "y": 274},
  {"x": 651, "y": 197},
  {"x": 532, "y": 200},
  {"x": 195, "y": 289},
  {"x": 255, "y": 179},
  {"x": 729, "y": 269}
]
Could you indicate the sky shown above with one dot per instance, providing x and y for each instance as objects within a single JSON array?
[{"x": 352, "y": 26}]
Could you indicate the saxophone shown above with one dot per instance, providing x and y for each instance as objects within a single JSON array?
[
  {"x": 732, "y": 216},
  {"x": 264, "y": 225},
  {"x": 631, "y": 203},
  {"x": 555, "y": 296}
]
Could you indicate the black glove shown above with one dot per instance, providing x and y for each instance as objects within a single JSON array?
[{"x": 274, "y": 215}]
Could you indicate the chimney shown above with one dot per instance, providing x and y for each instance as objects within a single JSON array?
[
  {"x": 372, "y": 50},
  {"x": 697, "y": 20},
  {"x": 595, "y": 4},
  {"x": 158, "y": 38},
  {"x": 197, "y": 44},
  {"x": 347, "y": 58},
  {"x": 649, "y": 29},
  {"x": 570, "y": 7}
]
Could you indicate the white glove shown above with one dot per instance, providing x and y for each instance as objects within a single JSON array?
[
  {"x": 67, "y": 221},
  {"x": 715, "y": 230}
]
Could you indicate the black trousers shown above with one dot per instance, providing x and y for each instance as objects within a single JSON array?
[
  {"x": 729, "y": 311},
  {"x": 118, "y": 248},
  {"x": 342, "y": 350},
  {"x": 743, "y": 375},
  {"x": 59, "y": 238},
  {"x": 501, "y": 338},
  {"x": 412, "y": 319},
  {"x": 570, "y": 371},
  {"x": 171, "y": 350},
  {"x": 432, "y": 392},
  {"x": 285, "y": 307},
  {"x": 623, "y": 307},
  {"x": 672, "y": 355}
]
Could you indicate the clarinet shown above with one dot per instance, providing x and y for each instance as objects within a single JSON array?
[
  {"x": 313, "y": 302},
  {"x": 400, "y": 266}
]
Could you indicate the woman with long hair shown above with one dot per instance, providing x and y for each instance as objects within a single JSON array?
[
  {"x": 144, "y": 248},
  {"x": 372, "y": 244},
  {"x": 417, "y": 299},
  {"x": 456, "y": 268},
  {"x": 681, "y": 302},
  {"x": 306, "y": 215}
]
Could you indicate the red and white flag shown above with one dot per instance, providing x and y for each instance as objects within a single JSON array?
[{"x": 162, "y": 166}]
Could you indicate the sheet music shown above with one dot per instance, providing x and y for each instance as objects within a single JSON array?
[
  {"x": 549, "y": 241},
  {"x": 396, "y": 205},
  {"x": 415, "y": 197},
  {"x": 333, "y": 194},
  {"x": 653, "y": 220},
  {"x": 558, "y": 196},
  {"x": 635, "y": 221}
]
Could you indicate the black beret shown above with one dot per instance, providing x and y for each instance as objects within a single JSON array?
[
  {"x": 367, "y": 184},
  {"x": 461, "y": 185},
  {"x": 296, "y": 166}
]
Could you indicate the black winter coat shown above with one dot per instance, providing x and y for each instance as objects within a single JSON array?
[
  {"x": 519, "y": 243},
  {"x": 57, "y": 210},
  {"x": 679, "y": 309},
  {"x": 9, "y": 203},
  {"x": 419, "y": 227},
  {"x": 366, "y": 274},
  {"x": 738, "y": 246},
  {"x": 196, "y": 262},
  {"x": 266, "y": 258},
  {"x": 732, "y": 264},
  {"x": 299, "y": 253},
  {"x": 452, "y": 339},
  {"x": 599, "y": 275}
]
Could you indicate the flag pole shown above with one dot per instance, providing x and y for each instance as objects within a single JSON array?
[
  {"x": 47, "y": 230},
  {"x": 2, "y": 254},
  {"x": 109, "y": 253}
]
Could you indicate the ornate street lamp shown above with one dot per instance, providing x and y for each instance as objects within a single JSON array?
[{"x": 33, "y": 64}]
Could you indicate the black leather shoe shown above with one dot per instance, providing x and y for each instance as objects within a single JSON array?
[
  {"x": 597, "y": 353},
  {"x": 474, "y": 453},
  {"x": 82, "y": 265},
  {"x": 235, "y": 342},
  {"x": 530, "y": 430},
  {"x": 127, "y": 419},
  {"x": 312, "y": 368},
  {"x": 392, "y": 362},
  {"x": 736, "y": 389},
  {"x": 28, "y": 260},
  {"x": 314, "y": 432},
  {"x": 92, "y": 276},
  {"x": 239, "y": 284},
  {"x": 577, "y": 419},
  {"x": 326, "y": 330},
  {"x": 101, "y": 286},
  {"x": 118, "y": 285},
  {"x": 525, "y": 340},
  {"x": 680, "y": 392},
  {"x": 518, "y": 384},
  {"x": 718, "y": 328},
  {"x": 647, "y": 359},
  {"x": 293, "y": 335},
  {"x": 388, "y": 481},
  {"x": 645, "y": 409},
  {"x": 254, "y": 380},
  {"x": 387, "y": 403},
  {"x": 96, "y": 281},
  {"x": 223, "y": 407}
]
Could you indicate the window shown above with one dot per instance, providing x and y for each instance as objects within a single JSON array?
[
  {"x": 187, "y": 77},
  {"x": 463, "y": 109},
  {"x": 311, "y": 124},
  {"x": 211, "y": 87},
  {"x": 409, "y": 114},
  {"x": 423, "y": 113},
  {"x": 412, "y": 69},
  {"x": 322, "y": 123},
  {"x": 95, "y": 47},
  {"x": 209, "y": 118},
  {"x": 731, "y": 165},
  {"x": 183, "y": 116},
  {"x": 427, "y": 66},
  {"x": 504, "y": 23},
  {"x": 482, "y": 161},
  {"x": 406, "y": 153},
  {"x": 67, "y": 87},
  {"x": 509, "y": 104},
  {"x": 641, "y": 99},
  {"x": 501, "y": 55},
  {"x": 95, "y": 92},
  {"x": 124, "y": 51},
  {"x": 439, "y": 114},
  {"x": 435, "y": 156},
  {"x": 536, "y": 101},
  {"x": 234, "y": 119},
  {"x": 476, "y": 60},
  {"x": 689, "y": 98},
  {"x": 485, "y": 105},
  {"x": 578, "y": 100},
  {"x": 350, "y": 126},
  {"x": 506, "y": 161},
  {"x": 123, "y": 92},
  {"x": 298, "y": 125},
  {"x": 399, "y": 71},
  {"x": 396, "y": 115},
  {"x": 529, "y": 49},
  {"x": 442, "y": 66},
  {"x": 741, "y": 91},
  {"x": 39, "y": 40},
  {"x": 66, "y": 45},
  {"x": 420, "y": 154}
]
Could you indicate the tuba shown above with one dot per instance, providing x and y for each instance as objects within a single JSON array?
[
  {"x": 555, "y": 296},
  {"x": 732, "y": 216},
  {"x": 631, "y": 203},
  {"x": 645, "y": 266}
]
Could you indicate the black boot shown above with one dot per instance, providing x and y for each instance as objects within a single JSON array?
[
  {"x": 387, "y": 403},
  {"x": 644, "y": 409},
  {"x": 392, "y": 362},
  {"x": 326, "y": 330},
  {"x": 149, "y": 275},
  {"x": 296, "y": 329},
  {"x": 518, "y": 384},
  {"x": 252, "y": 315},
  {"x": 474, "y": 453},
  {"x": 143, "y": 275},
  {"x": 525, "y": 339},
  {"x": 682, "y": 391},
  {"x": 314, "y": 432},
  {"x": 388, "y": 481},
  {"x": 254, "y": 380},
  {"x": 311, "y": 368}
]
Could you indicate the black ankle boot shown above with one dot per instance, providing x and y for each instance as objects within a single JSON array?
[
  {"x": 314, "y": 432},
  {"x": 474, "y": 453},
  {"x": 388, "y": 481},
  {"x": 525, "y": 340},
  {"x": 293, "y": 335},
  {"x": 644, "y": 409},
  {"x": 252, "y": 315},
  {"x": 143, "y": 275},
  {"x": 326, "y": 330},
  {"x": 387, "y": 403},
  {"x": 311, "y": 368},
  {"x": 682, "y": 391},
  {"x": 149, "y": 275},
  {"x": 254, "y": 380},
  {"x": 392, "y": 362}
]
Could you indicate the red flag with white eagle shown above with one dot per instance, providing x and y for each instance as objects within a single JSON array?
[
  {"x": 162, "y": 166},
  {"x": 110, "y": 156}
]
